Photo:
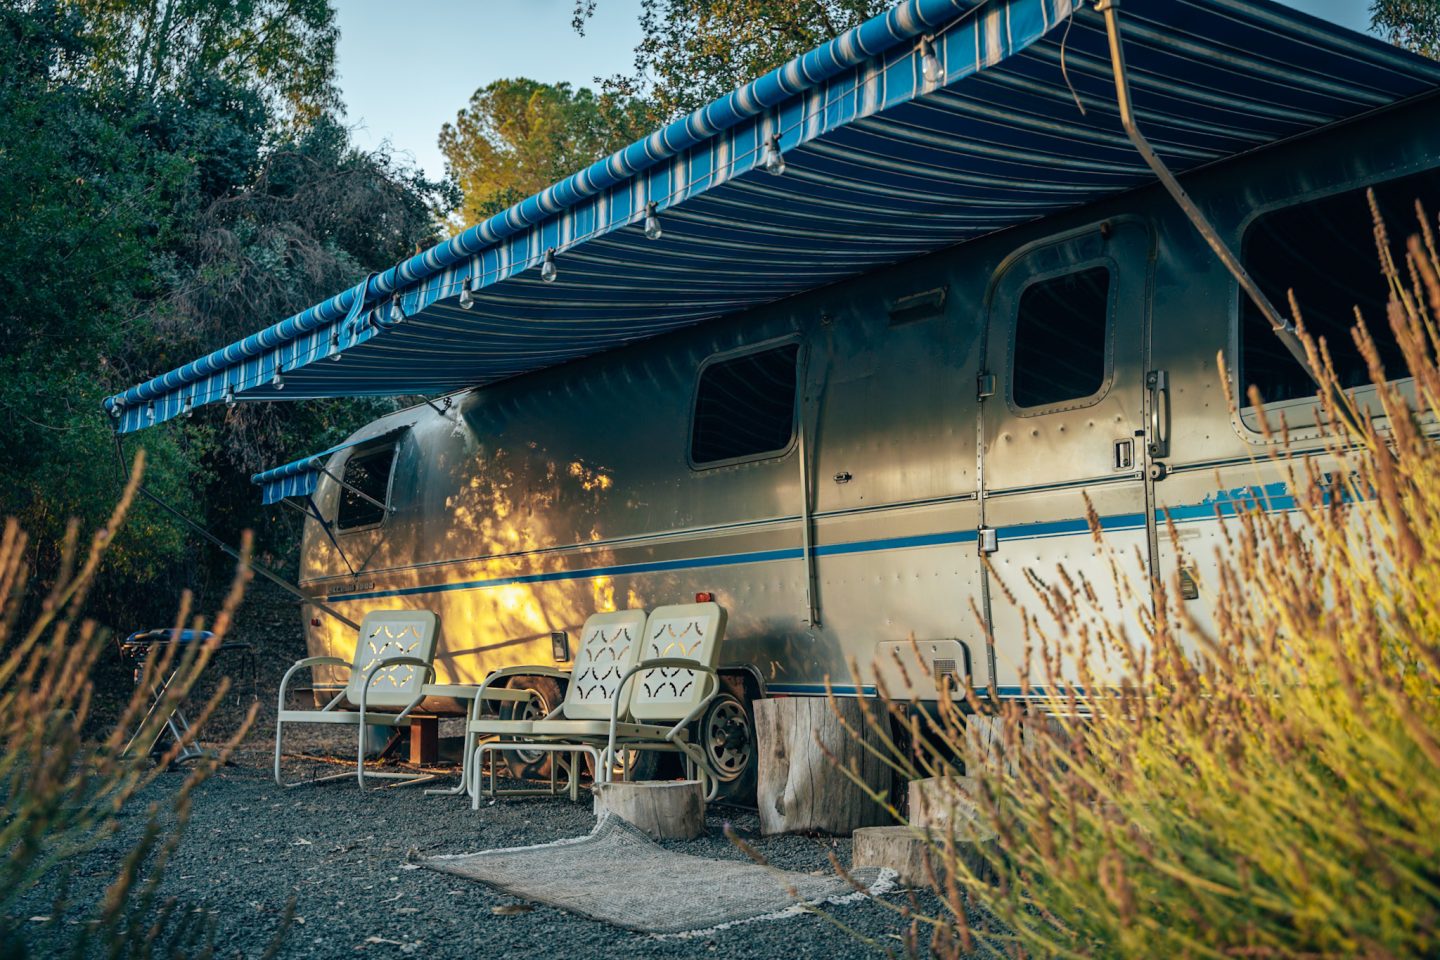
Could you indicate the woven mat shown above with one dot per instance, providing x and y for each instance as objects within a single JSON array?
[{"x": 620, "y": 876}]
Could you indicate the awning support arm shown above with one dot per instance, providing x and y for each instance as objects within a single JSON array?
[
  {"x": 313, "y": 512},
  {"x": 359, "y": 493},
  {"x": 230, "y": 551},
  {"x": 807, "y": 535},
  {"x": 1280, "y": 325}
]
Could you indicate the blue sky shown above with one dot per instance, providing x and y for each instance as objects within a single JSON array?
[{"x": 407, "y": 68}]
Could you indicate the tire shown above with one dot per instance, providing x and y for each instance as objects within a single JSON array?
[
  {"x": 645, "y": 765},
  {"x": 530, "y": 765},
  {"x": 727, "y": 735}
]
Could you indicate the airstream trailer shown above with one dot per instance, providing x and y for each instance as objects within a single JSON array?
[{"x": 854, "y": 370}]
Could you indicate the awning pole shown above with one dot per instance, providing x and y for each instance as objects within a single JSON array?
[
  {"x": 313, "y": 513},
  {"x": 1279, "y": 324},
  {"x": 259, "y": 568}
]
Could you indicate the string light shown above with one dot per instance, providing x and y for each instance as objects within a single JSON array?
[
  {"x": 929, "y": 63},
  {"x": 652, "y": 222},
  {"x": 187, "y": 410},
  {"x": 774, "y": 162},
  {"x": 335, "y": 345},
  {"x": 467, "y": 299},
  {"x": 548, "y": 272},
  {"x": 150, "y": 411},
  {"x": 397, "y": 313},
  {"x": 229, "y": 395},
  {"x": 277, "y": 382}
]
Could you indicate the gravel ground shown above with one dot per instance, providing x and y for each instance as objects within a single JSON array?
[{"x": 250, "y": 846}]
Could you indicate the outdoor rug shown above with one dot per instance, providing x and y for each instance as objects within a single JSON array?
[{"x": 619, "y": 875}]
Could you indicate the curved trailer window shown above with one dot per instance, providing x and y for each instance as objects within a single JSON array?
[
  {"x": 366, "y": 493},
  {"x": 1325, "y": 251},
  {"x": 745, "y": 407}
]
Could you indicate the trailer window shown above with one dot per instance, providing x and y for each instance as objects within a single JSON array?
[
  {"x": 745, "y": 406},
  {"x": 1061, "y": 335},
  {"x": 1325, "y": 251},
  {"x": 366, "y": 473}
]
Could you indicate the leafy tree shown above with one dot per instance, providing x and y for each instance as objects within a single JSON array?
[
  {"x": 695, "y": 51},
  {"x": 173, "y": 178},
  {"x": 283, "y": 49},
  {"x": 1413, "y": 24},
  {"x": 519, "y": 136}
]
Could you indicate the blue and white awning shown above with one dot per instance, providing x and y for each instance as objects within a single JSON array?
[
  {"x": 881, "y": 165},
  {"x": 298, "y": 478}
]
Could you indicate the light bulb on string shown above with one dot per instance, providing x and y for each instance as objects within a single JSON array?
[
  {"x": 397, "y": 312},
  {"x": 774, "y": 161},
  {"x": 277, "y": 382},
  {"x": 467, "y": 299},
  {"x": 653, "y": 230},
  {"x": 548, "y": 271},
  {"x": 187, "y": 410},
  {"x": 229, "y": 395},
  {"x": 929, "y": 63}
]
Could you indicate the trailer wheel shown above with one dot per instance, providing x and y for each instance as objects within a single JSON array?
[
  {"x": 727, "y": 735},
  {"x": 644, "y": 765},
  {"x": 530, "y": 764}
]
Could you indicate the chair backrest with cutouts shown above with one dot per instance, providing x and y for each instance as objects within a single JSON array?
[
  {"x": 609, "y": 646},
  {"x": 386, "y": 635},
  {"x": 692, "y": 631}
]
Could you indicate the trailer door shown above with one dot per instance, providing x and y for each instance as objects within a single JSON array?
[{"x": 1063, "y": 419}]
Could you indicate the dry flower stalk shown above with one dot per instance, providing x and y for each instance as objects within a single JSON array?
[{"x": 1268, "y": 787}]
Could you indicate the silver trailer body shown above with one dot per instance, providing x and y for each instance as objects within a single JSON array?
[{"x": 539, "y": 500}]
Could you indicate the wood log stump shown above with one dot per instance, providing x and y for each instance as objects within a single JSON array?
[
  {"x": 799, "y": 788},
  {"x": 918, "y": 855},
  {"x": 666, "y": 810},
  {"x": 937, "y": 801}
]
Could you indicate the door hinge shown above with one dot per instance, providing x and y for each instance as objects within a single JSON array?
[
  {"x": 989, "y": 541},
  {"x": 985, "y": 385}
]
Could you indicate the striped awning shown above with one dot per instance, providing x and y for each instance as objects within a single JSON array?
[
  {"x": 883, "y": 160},
  {"x": 298, "y": 478}
]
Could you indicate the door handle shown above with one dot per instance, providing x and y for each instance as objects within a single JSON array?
[{"x": 1158, "y": 441}]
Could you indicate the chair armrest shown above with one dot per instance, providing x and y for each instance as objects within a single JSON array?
[
  {"x": 313, "y": 662},
  {"x": 521, "y": 671}
]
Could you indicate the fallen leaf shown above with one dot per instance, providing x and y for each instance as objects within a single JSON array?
[
  {"x": 301, "y": 842},
  {"x": 511, "y": 909},
  {"x": 39, "y": 919}
]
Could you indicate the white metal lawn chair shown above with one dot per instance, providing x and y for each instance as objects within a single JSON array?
[
  {"x": 676, "y": 681},
  {"x": 389, "y": 675},
  {"x": 669, "y": 688},
  {"x": 609, "y": 645}
]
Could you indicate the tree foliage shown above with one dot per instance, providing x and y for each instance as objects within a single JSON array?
[
  {"x": 1413, "y": 24},
  {"x": 695, "y": 51},
  {"x": 174, "y": 177},
  {"x": 517, "y": 137}
]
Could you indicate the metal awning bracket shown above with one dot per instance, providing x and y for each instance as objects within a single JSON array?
[
  {"x": 1280, "y": 324},
  {"x": 311, "y": 511}
]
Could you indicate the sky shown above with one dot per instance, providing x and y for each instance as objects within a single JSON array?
[{"x": 407, "y": 68}]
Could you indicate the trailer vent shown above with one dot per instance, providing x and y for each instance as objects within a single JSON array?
[
  {"x": 917, "y": 306},
  {"x": 944, "y": 668}
]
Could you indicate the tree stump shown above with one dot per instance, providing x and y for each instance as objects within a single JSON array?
[
  {"x": 799, "y": 788},
  {"x": 918, "y": 855},
  {"x": 937, "y": 801},
  {"x": 666, "y": 810}
]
